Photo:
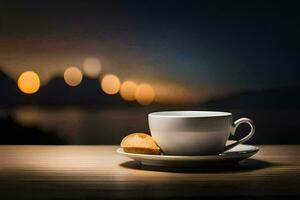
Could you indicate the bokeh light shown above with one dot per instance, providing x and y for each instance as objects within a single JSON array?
[
  {"x": 73, "y": 76},
  {"x": 145, "y": 94},
  {"x": 29, "y": 82},
  {"x": 92, "y": 67},
  {"x": 127, "y": 91},
  {"x": 110, "y": 84}
]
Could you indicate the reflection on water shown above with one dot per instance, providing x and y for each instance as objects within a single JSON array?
[
  {"x": 77, "y": 125},
  {"x": 85, "y": 126}
]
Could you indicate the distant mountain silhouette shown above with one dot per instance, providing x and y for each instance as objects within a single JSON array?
[
  {"x": 268, "y": 98},
  {"x": 56, "y": 93},
  {"x": 10, "y": 96}
]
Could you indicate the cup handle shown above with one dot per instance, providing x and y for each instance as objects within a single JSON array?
[{"x": 247, "y": 137}]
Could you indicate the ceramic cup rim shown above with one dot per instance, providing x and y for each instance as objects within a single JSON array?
[{"x": 189, "y": 114}]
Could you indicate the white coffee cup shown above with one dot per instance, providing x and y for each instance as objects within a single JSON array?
[{"x": 195, "y": 132}]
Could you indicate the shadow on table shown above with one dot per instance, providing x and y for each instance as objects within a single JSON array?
[{"x": 243, "y": 166}]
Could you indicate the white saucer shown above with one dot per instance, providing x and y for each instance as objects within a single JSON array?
[{"x": 235, "y": 154}]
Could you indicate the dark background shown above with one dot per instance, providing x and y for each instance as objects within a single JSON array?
[{"x": 237, "y": 56}]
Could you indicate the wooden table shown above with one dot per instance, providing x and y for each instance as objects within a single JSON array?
[{"x": 98, "y": 172}]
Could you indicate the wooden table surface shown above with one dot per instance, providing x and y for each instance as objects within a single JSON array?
[{"x": 98, "y": 172}]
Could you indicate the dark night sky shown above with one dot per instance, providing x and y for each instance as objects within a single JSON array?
[{"x": 240, "y": 44}]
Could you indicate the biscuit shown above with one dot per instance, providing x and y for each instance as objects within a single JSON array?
[{"x": 140, "y": 143}]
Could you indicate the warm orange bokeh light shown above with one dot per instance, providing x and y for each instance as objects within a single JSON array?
[
  {"x": 92, "y": 67},
  {"x": 144, "y": 94},
  {"x": 127, "y": 91},
  {"x": 73, "y": 76},
  {"x": 110, "y": 84},
  {"x": 29, "y": 82}
]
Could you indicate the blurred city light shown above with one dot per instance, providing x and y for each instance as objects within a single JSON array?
[
  {"x": 110, "y": 84},
  {"x": 145, "y": 94},
  {"x": 29, "y": 82},
  {"x": 92, "y": 67},
  {"x": 73, "y": 76},
  {"x": 127, "y": 91}
]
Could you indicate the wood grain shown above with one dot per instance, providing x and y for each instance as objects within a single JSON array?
[{"x": 94, "y": 172}]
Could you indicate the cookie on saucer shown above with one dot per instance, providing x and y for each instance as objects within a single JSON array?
[{"x": 140, "y": 143}]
